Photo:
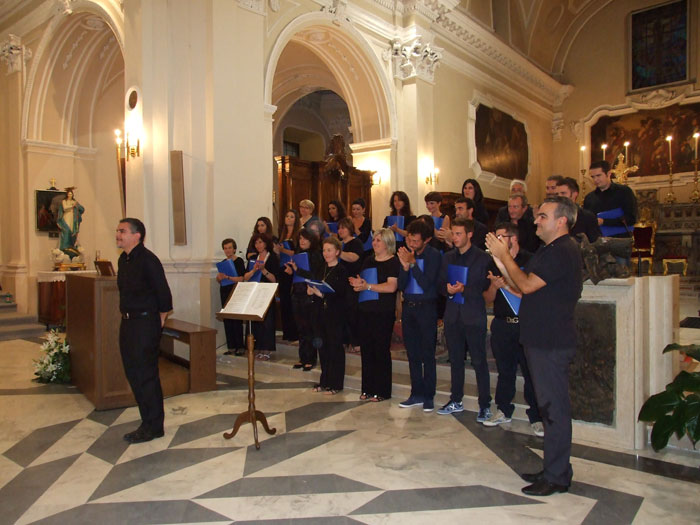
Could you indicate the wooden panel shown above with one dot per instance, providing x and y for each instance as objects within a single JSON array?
[
  {"x": 52, "y": 303},
  {"x": 177, "y": 188}
]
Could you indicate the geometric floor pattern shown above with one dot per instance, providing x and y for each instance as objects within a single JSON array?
[{"x": 332, "y": 460}]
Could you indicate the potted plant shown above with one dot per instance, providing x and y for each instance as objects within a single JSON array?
[
  {"x": 54, "y": 365},
  {"x": 676, "y": 410}
]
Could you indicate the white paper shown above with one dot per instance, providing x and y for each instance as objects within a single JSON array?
[{"x": 250, "y": 298}]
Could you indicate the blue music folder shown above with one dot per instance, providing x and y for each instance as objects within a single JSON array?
[
  {"x": 413, "y": 287},
  {"x": 512, "y": 300},
  {"x": 302, "y": 261},
  {"x": 284, "y": 258},
  {"x": 227, "y": 268},
  {"x": 367, "y": 245},
  {"x": 322, "y": 286},
  {"x": 369, "y": 275},
  {"x": 257, "y": 276},
  {"x": 609, "y": 231},
  {"x": 457, "y": 273},
  {"x": 438, "y": 222},
  {"x": 333, "y": 227},
  {"x": 399, "y": 220}
]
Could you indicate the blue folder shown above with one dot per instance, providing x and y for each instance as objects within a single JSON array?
[
  {"x": 333, "y": 227},
  {"x": 257, "y": 276},
  {"x": 512, "y": 300},
  {"x": 399, "y": 220},
  {"x": 367, "y": 245},
  {"x": 413, "y": 287},
  {"x": 227, "y": 268},
  {"x": 302, "y": 261},
  {"x": 369, "y": 275},
  {"x": 438, "y": 222},
  {"x": 609, "y": 231},
  {"x": 322, "y": 286},
  {"x": 284, "y": 258},
  {"x": 457, "y": 273}
]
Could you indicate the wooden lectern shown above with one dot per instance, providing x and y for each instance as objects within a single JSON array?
[{"x": 249, "y": 302}]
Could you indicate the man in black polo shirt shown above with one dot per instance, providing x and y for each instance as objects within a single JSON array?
[
  {"x": 465, "y": 317},
  {"x": 505, "y": 337},
  {"x": 144, "y": 301},
  {"x": 586, "y": 222},
  {"x": 551, "y": 286},
  {"x": 420, "y": 265},
  {"x": 614, "y": 204}
]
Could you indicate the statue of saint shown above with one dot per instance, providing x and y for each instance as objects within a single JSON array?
[{"x": 70, "y": 215}]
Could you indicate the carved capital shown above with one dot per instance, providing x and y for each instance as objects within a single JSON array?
[
  {"x": 413, "y": 59},
  {"x": 557, "y": 126},
  {"x": 14, "y": 54},
  {"x": 659, "y": 98},
  {"x": 576, "y": 128},
  {"x": 337, "y": 8}
]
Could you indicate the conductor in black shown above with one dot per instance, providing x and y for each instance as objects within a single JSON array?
[
  {"x": 551, "y": 286},
  {"x": 144, "y": 302}
]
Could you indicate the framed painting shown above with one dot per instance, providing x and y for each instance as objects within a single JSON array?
[
  {"x": 501, "y": 143},
  {"x": 659, "y": 46},
  {"x": 47, "y": 204}
]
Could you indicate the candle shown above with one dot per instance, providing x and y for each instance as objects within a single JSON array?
[
  {"x": 695, "y": 136},
  {"x": 669, "y": 138},
  {"x": 627, "y": 145},
  {"x": 604, "y": 147},
  {"x": 582, "y": 162}
]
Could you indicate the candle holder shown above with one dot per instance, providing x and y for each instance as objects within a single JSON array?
[
  {"x": 670, "y": 196},
  {"x": 695, "y": 196},
  {"x": 583, "y": 182},
  {"x": 621, "y": 169}
]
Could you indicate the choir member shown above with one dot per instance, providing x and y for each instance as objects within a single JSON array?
[
  {"x": 267, "y": 263},
  {"x": 287, "y": 236}
]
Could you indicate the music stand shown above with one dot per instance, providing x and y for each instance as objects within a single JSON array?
[{"x": 249, "y": 302}]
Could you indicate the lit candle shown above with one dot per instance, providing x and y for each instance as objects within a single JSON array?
[
  {"x": 583, "y": 152},
  {"x": 627, "y": 145},
  {"x": 669, "y": 138},
  {"x": 604, "y": 147},
  {"x": 695, "y": 136}
]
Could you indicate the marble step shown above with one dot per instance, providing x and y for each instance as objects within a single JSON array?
[
  {"x": 8, "y": 307},
  {"x": 13, "y": 318},
  {"x": 21, "y": 331}
]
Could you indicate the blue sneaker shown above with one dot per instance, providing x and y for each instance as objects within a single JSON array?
[
  {"x": 428, "y": 405},
  {"x": 412, "y": 401},
  {"x": 484, "y": 415},
  {"x": 451, "y": 408}
]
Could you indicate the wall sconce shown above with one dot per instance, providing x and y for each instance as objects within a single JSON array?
[
  {"x": 432, "y": 178},
  {"x": 130, "y": 149},
  {"x": 375, "y": 178}
]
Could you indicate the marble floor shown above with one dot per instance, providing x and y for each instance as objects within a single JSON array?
[{"x": 332, "y": 460}]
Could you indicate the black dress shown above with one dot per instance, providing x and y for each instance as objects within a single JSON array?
[
  {"x": 289, "y": 327},
  {"x": 332, "y": 312},
  {"x": 264, "y": 331},
  {"x": 351, "y": 335}
]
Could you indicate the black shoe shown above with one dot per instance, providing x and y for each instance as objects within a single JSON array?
[
  {"x": 542, "y": 487},
  {"x": 128, "y": 437},
  {"x": 228, "y": 352},
  {"x": 142, "y": 435},
  {"x": 296, "y": 366},
  {"x": 531, "y": 478},
  {"x": 239, "y": 352}
]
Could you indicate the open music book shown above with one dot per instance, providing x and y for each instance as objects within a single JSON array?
[{"x": 250, "y": 299}]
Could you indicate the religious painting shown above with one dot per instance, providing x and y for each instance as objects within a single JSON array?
[
  {"x": 659, "y": 46},
  {"x": 646, "y": 132},
  {"x": 501, "y": 143},
  {"x": 47, "y": 204}
]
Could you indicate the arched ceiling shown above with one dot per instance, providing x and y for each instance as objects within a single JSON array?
[{"x": 542, "y": 30}]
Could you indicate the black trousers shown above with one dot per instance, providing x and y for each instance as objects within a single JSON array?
[
  {"x": 289, "y": 327},
  {"x": 264, "y": 331},
  {"x": 419, "y": 324},
  {"x": 305, "y": 310},
  {"x": 331, "y": 353},
  {"x": 233, "y": 328},
  {"x": 375, "y": 350},
  {"x": 351, "y": 332},
  {"x": 509, "y": 353},
  {"x": 139, "y": 340},
  {"x": 550, "y": 375},
  {"x": 459, "y": 336}
]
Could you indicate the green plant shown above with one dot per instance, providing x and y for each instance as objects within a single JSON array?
[
  {"x": 54, "y": 366},
  {"x": 676, "y": 410}
]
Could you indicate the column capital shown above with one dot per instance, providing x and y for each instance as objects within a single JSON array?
[
  {"x": 413, "y": 59},
  {"x": 14, "y": 54}
]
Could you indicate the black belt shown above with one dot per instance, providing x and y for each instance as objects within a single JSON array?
[
  {"x": 509, "y": 320},
  {"x": 137, "y": 315},
  {"x": 414, "y": 304}
]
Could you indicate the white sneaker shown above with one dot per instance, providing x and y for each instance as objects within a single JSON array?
[
  {"x": 498, "y": 418},
  {"x": 537, "y": 428}
]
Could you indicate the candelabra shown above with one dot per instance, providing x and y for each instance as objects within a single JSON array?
[
  {"x": 622, "y": 171},
  {"x": 583, "y": 182},
  {"x": 695, "y": 196},
  {"x": 670, "y": 196}
]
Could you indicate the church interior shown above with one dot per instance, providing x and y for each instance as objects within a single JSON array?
[{"x": 199, "y": 116}]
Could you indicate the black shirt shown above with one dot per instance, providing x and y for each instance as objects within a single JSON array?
[
  {"x": 142, "y": 283},
  {"x": 501, "y": 308},
  {"x": 272, "y": 265},
  {"x": 479, "y": 235},
  {"x": 473, "y": 311},
  {"x": 586, "y": 222},
  {"x": 527, "y": 234},
  {"x": 480, "y": 213},
  {"x": 337, "y": 278},
  {"x": 547, "y": 315},
  {"x": 426, "y": 279},
  {"x": 353, "y": 246},
  {"x": 385, "y": 269},
  {"x": 616, "y": 196}
]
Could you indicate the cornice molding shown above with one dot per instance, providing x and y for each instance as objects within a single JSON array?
[
  {"x": 659, "y": 98},
  {"x": 373, "y": 145},
  {"x": 58, "y": 150}
]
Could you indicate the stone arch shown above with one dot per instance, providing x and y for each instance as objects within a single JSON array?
[{"x": 344, "y": 63}]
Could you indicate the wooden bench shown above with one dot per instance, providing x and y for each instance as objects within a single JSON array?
[{"x": 202, "y": 343}]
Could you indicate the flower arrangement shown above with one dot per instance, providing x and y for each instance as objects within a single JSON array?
[{"x": 54, "y": 366}]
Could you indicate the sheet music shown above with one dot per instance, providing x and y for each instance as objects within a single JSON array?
[{"x": 250, "y": 298}]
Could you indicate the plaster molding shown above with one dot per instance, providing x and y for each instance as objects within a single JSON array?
[
  {"x": 65, "y": 7},
  {"x": 269, "y": 112},
  {"x": 58, "y": 150},
  {"x": 413, "y": 59},
  {"x": 15, "y": 268},
  {"x": 14, "y": 54},
  {"x": 373, "y": 145},
  {"x": 337, "y": 9},
  {"x": 659, "y": 182},
  {"x": 659, "y": 98},
  {"x": 488, "y": 178},
  {"x": 557, "y": 126},
  {"x": 254, "y": 6},
  {"x": 274, "y": 5},
  {"x": 204, "y": 267}
]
